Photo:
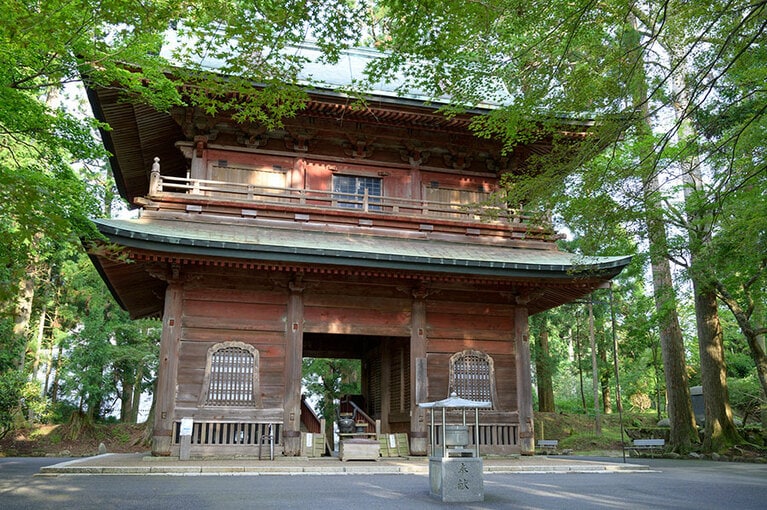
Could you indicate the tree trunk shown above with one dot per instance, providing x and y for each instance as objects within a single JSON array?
[
  {"x": 56, "y": 376},
  {"x": 594, "y": 369},
  {"x": 330, "y": 437},
  {"x": 754, "y": 339},
  {"x": 126, "y": 398},
  {"x": 37, "y": 347},
  {"x": 683, "y": 431},
  {"x": 604, "y": 379},
  {"x": 580, "y": 367},
  {"x": 148, "y": 433},
  {"x": 22, "y": 317},
  {"x": 720, "y": 432},
  {"x": 136, "y": 398},
  {"x": 720, "y": 429},
  {"x": 543, "y": 371},
  {"x": 48, "y": 367}
]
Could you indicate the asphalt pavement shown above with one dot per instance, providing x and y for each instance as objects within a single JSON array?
[
  {"x": 28, "y": 483},
  {"x": 142, "y": 464}
]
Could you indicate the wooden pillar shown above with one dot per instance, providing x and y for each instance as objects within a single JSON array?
[
  {"x": 167, "y": 370},
  {"x": 294, "y": 349},
  {"x": 419, "y": 382},
  {"x": 524, "y": 378},
  {"x": 385, "y": 385}
]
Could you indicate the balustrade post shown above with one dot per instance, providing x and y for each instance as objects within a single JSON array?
[{"x": 155, "y": 180}]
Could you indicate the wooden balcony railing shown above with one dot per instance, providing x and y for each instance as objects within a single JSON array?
[{"x": 322, "y": 199}]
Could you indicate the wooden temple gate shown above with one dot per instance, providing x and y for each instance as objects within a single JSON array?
[
  {"x": 275, "y": 319},
  {"x": 378, "y": 238}
]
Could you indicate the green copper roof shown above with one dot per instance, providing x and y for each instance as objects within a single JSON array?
[{"x": 294, "y": 245}]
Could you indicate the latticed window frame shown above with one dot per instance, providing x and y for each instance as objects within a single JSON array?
[
  {"x": 489, "y": 388},
  {"x": 357, "y": 185},
  {"x": 210, "y": 378}
]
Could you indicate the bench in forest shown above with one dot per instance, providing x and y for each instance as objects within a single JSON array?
[
  {"x": 646, "y": 444},
  {"x": 548, "y": 444}
]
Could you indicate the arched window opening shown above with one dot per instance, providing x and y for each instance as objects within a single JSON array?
[
  {"x": 472, "y": 376},
  {"x": 231, "y": 376}
]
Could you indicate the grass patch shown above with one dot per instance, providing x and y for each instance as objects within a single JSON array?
[
  {"x": 122, "y": 436},
  {"x": 578, "y": 431}
]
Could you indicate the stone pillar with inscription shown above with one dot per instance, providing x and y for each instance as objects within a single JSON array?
[{"x": 456, "y": 480}]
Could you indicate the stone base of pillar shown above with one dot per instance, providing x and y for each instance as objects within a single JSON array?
[
  {"x": 418, "y": 446},
  {"x": 161, "y": 446},
  {"x": 291, "y": 443}
]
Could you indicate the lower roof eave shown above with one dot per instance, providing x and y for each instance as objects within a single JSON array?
[{"x": 191, "y": 248}]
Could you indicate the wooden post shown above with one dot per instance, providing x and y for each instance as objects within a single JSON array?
[
  {"x": 198, "y": 169},
  {"x": 293, "y": 356},
  {"x": 155, "y": 181},
  {"x": 524, "y": 378},
  {"x": 418, "y": 377},
  {"x": 385, "y": 387},
  {"x": 167, "y": 370}
]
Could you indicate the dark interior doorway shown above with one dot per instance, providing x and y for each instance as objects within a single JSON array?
[{"x": 385, "y": 377}]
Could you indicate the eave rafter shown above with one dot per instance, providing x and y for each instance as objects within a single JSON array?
[{"x": 501, "y": 283}]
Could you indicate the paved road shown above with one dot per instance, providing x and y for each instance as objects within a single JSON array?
[{"x": 694, "y": 485}]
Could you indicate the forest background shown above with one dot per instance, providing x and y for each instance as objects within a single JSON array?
[{"x": 672, "y": 171}]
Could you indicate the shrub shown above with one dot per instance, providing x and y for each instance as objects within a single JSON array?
[
  {"x": 11, "y": 390},
  {"x": 745, "y": 396}
]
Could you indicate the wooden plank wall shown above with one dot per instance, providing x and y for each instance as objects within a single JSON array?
[
  {"x": 355, "y": 307},
  {"x": 253, "y": 313},
  {"x": 454, "y": 326},
  {"x": 229, "y": 305}
]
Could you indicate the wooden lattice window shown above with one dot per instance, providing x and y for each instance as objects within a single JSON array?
[
  {"x": 231, "y": 376},
  {"x": 472, "y": 376},
  {"x": 351, "y": 189}
]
